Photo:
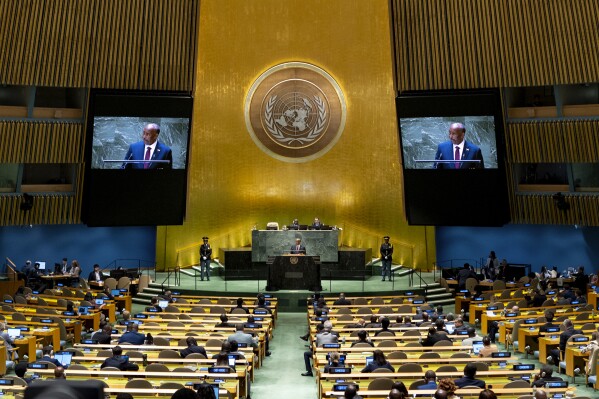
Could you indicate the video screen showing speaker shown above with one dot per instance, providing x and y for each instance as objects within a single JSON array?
[
  {"x": 136, "y": 158},
  {"x": 453, "y": 150}
]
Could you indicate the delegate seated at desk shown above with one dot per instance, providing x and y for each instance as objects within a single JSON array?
[{"x": 298, "y": 248}]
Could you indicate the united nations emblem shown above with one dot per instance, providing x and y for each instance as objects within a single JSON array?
[
  {"x": 293, "y": 260},
  {"x": 295, "y": 112}
]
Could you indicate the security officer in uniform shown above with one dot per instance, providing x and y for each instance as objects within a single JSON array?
[
  {"x": 386, "y": 258},
  {"x": 205, "y": 256}
]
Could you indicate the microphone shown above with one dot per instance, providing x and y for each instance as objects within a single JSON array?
[{"x": 125, "y": 164}]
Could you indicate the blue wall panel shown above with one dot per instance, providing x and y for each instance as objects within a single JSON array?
[
  {"x": 539, "y": 245},
  {"x": 88, "y": 245}
]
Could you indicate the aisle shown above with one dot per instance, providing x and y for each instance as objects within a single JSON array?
[{"x": 280, "y": 375}]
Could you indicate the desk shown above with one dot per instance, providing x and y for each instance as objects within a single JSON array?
[
  {"x": 52, "y": 279},
  {"x": 267, "y": 243},
  {"x": 575, "y": 358},
  {"x": 293, "y": 272}
]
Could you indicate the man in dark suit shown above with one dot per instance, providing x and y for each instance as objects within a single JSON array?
[
  {"x": 316, "y": 224},
  {"x": 205, "y": 259},
  {"x": 96, "y": 274},
  {"x": 192, "y": 347},
  {"x": 149, "y": 149},
  {"x": 464, "y": 274},
  {"x": 468, "y": 378},
  {"x": 119, "y": 361},
  {"x": 458, "y": 149},
  {"x": 294, "y": 225},
  {"x": 132, "y": 336},
  {"x": 563, "y": 340},
  {"x": 298, "y": 248},
  {"x": 104, "y": 336}
]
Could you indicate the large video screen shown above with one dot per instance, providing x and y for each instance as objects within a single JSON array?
[
  {"x": 452, "y": 148},
  {"x": 136, "y": 158}
]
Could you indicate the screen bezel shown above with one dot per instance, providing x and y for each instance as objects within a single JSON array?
[
  {"x": 474, "y": 191},
  {"x": 116, "y": 197}
]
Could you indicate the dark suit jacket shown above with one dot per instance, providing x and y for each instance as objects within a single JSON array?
[
  {"x": 433, "y": 339},
  {"x": 136, "y": 152},
  {"x": 120, "y": 363},
  {"x": 370, "y": 367},
  {"x": 445, "y": 151},
  {"x": 294, "y": 251},
  {"x": 92, "y": 276},
  {"x": 565, "y": 335},
  {"x": 132, "y": 337},
  {"x": 467, "y": 381},
  {"x": 463, "y": 275},
  {"x": 102, "y": 337},
  {"x": 193, "y": 349}
]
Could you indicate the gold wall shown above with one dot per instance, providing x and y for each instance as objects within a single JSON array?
[{"x": 233, "y": 185}]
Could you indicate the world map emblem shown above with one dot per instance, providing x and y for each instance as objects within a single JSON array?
[{"x": 295, "y": 112}]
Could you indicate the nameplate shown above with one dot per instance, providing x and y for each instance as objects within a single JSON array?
[{"x": 294, "y": 275}]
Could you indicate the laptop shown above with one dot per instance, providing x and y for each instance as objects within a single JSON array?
[
  {"x": 163, "y": 304},
  {"x": 476, "y": 347},
  {"x": 450, "y": 327},
  {"x": 83, "y": 310},
  {"x": 115, "y": 292},
  {"x": 232, "y": 360},
  {"x": 369, "y": 359},
  {"x": 64, "y": 358},
  {"x": 215, "y": 387},
  {"x": 14, "y": 333},
  {"x": 99, "y": 302}
]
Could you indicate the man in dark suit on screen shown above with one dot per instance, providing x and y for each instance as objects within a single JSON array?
[
  {"x": 458, "y": 149},
  {"x": 149, "y": 149}
]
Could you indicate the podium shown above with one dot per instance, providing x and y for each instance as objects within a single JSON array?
[{"x": 293, "y": 272}]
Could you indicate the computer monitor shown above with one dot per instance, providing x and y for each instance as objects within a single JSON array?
[
  {"x": 42, "y": 265},
  {"x": 64, "y": 358},
  {"x": 99, "y": 302},
  {"x": 14, "y": 332},
  {"x": 83, "y": 310},
  {"x": 116, "y": 292},
  {"x": 476, "y": 347},
  {"x": 369, "y": 359}
]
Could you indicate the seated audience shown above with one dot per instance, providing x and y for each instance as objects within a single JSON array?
[
  {"x": 185, "y": 393},
  {"x": 119, "y": 361},
  {"x": 342, "y": 300},
  {"x": 487, "y": 394},
  {"x": 487, "y": 348},
  {"x": 448, "y": 387},
  {"x": 192, "y": 347},
  {"x": 469, "y": 378},
  {"x": 351, "y": 392},
  {"x": 430, "y": 378},
  {"x": 242, "y": 337},
  {"x": 104, "y": 336},
  {"x": 544, "y": 376},
  {"x": 362, "y": 339},
  {"x": 384, "y": 327},
  {"x": 472, "y": 336},
  {"x": 48, "y": 356},
  {"x": 132, "y": 335},
  {"x": 377, "y": 362},
  {"x": 240, "y": 306},
  {"x": 59, "y": 373}
]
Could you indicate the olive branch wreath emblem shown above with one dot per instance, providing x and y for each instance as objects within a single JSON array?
[{"x": 272, "y": 128}]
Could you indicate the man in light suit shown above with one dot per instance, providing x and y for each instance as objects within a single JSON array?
[
  {"x": 149, "y": 149},
  {"x": 458, "y": 149},
  {"x": 241, "y": 337},
  {"x": 298, "y": 248}
]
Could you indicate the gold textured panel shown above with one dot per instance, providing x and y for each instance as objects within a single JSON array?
[{"x": 234, "y": 186}]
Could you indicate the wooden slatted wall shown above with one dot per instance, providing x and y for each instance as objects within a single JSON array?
[
  {"x": 112, "y": 44},
  {"x": 453, "y": 44},
  {"x": 132, "y": 44},
  {"x": 553, "y": 142}
]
